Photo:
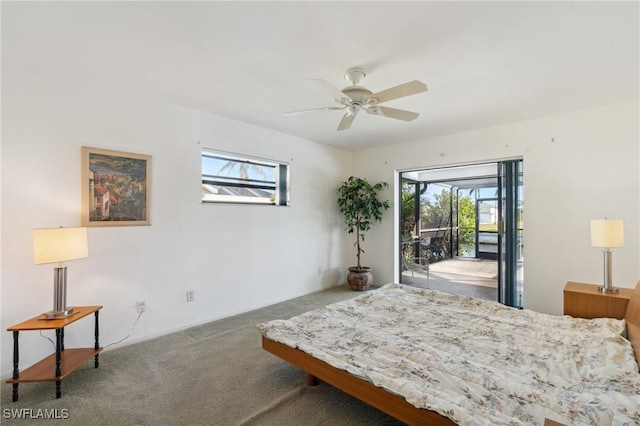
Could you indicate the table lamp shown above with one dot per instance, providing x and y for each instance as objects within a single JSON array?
[
  {"x": 57, "y": 245},
  {"x": 607, "y": 233}
]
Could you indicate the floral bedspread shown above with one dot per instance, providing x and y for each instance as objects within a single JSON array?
[{"x": 473, "y": 361}]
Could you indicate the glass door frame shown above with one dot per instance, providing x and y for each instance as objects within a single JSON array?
[{"x": 510, "y": 183}]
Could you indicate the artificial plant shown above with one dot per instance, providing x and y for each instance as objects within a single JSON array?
[{"x": 358, "y": 202}]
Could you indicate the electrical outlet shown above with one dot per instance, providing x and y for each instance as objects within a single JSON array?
[
  {"x": 190, "y": 296},
  {"x": 141, "y": 306}
]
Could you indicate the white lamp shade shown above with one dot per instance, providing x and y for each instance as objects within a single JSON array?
[
  {"x": 607, "y": 233},
  {"x": 59, "y": 244}
]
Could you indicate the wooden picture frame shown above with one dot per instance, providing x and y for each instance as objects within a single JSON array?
[{"x": 115, "y": 188}]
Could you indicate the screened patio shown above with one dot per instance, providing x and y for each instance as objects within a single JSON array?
[{"x": 449, "y": 227}]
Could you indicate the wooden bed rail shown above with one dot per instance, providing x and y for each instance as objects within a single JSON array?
[{"x": 366, "y": 392}]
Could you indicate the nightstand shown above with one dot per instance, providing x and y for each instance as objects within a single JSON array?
[{"x": 586, "y": 301}]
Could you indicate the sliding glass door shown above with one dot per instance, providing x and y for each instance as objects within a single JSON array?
[{"x": 460, "y": 230}]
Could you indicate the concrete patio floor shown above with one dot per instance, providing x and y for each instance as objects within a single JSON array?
[{"x": 466, "y": 276}]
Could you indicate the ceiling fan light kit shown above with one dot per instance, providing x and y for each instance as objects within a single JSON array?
[{"x": 355, "y": 98}]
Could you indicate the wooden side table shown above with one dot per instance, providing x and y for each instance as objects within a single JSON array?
[
  {"x": 586, "y": 301},
  {"x": 63, "y": 362}
]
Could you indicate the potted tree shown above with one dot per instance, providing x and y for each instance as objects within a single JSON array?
[{"x": 358, "y": 202}]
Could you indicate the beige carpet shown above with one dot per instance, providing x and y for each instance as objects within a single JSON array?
[{"x": 214, "y": 374}]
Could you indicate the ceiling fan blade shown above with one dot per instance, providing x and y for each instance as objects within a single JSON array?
[
  {"x": 406, "y": 89},
  {"x": 398, "y": 114},
  {"x": 329, "y": 88},
  {"x": 346, "y": 121},
  {"x": 302, "y": 111}
]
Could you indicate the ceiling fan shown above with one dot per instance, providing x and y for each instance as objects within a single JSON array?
[{"x": 355, "y": 98}]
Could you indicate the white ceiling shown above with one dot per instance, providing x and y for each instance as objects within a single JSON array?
[{"x": 485, "y": 63}]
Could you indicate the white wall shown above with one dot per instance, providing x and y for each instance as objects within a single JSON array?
[
  {"x": 236, "y": 258},
  {"x": 577, "y": 167}
]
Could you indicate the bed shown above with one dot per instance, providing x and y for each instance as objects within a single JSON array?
[{"x": 426, "y": 357}]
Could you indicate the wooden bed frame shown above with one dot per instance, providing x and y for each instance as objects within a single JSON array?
[{"x": 392, "y": 404}]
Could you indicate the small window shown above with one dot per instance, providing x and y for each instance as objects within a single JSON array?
[{"x": 235, "y": 178}]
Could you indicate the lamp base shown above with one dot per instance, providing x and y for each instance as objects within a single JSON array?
[
  {"x": 58, "y": 314},
  {"x": 60, "y": 309},
  {"x": 607, "y": 287}
]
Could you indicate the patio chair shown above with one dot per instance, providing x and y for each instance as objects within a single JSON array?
[{"x": 418, "y": 264}]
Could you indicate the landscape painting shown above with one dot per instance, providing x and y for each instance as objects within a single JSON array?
[{"x": 115, "y": 188}]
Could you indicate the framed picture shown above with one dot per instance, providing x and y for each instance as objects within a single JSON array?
[{"x": 115, "y": 188}]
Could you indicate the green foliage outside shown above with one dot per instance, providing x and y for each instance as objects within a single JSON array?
[
  {"x": 408, "y": 225},
  {"x": 435, "y": 214}
]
